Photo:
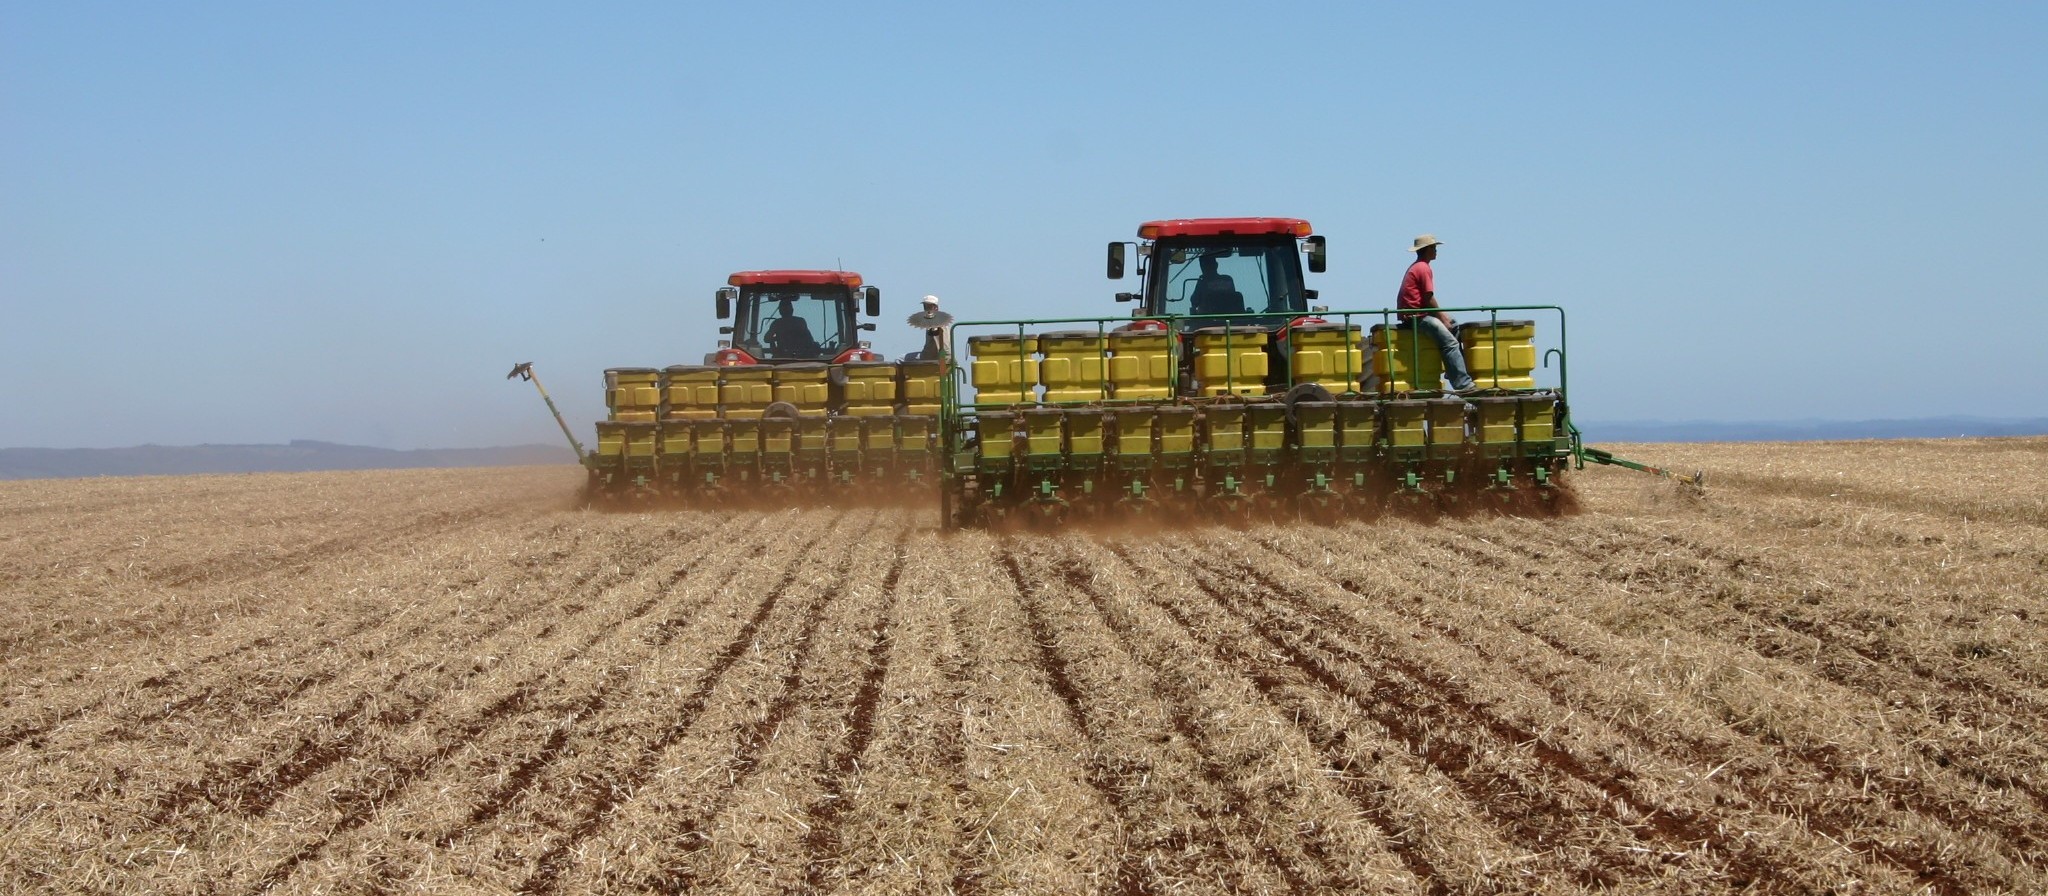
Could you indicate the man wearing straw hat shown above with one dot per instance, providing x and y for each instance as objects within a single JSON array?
[
  {"x": 1418, "y": 291},
  {"x": 938, "y": 329}
]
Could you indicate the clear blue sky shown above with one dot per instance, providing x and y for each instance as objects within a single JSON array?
[{"x": 265, "y": 221}]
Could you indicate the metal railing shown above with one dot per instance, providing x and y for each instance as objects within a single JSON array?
[
  {"x": 956, "y": 378},
  {"x": 1179, "y": 325}
]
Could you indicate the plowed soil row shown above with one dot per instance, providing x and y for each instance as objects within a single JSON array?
[{"x": 1823, "y": 675}]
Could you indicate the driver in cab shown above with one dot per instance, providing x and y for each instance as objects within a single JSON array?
[
  {"x": 788, "y": 335},
  {"x": 1215, "y": 293}
]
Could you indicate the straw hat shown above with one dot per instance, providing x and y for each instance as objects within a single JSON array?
[
  {"x": 1425, "y": 241},
  {"x": 931, "y": 318}
]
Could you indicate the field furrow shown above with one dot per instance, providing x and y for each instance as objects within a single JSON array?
[
  {"x": 838, "y": 772},
  {"x": 666, "y": 675},
  {"x": 1824, "y": 674},
  {"x": 738, "y": 725},
  {"x": 1282, "y": 802},
  {"x": 1041, "y": 810},
  {"x": 1819, "y": 801},
  {"x": 1936, "y": 702},
  {"x": 1672, "y": 807},
  {"x": 1181, "y": 810},
  {"x": 395, "y": 730},
  {"x": 892, "y": 818},
  {"x": 1937, "y": 765},
  {"x": 435, "y": 738},
  {"x": 223, "y": 671}
]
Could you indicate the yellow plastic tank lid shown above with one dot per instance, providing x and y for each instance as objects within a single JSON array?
[
  {"x": 1233, "y": 331},
  {"x": 1489, "y": 324},
  {"x": 871, "y": 364},
  {"x": 1072, "y": 334},
  {"x": 674, "y": 369},
  {"x": 631, "y": 370},
  {"x": 986, "y": 338},
  {"x": 1325, "y": 327},
  {"x": 803, "y": 366},
  {"x": 928, "y": 366}
]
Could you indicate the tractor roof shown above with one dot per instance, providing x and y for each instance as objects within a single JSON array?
[
  {"x": 848, "y": 279},
  {"x": 1152, "y": 230}
]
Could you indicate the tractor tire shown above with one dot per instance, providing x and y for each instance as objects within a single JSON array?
[{"x": 1300, "y": 393}]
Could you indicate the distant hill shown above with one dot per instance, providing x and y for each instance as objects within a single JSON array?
[
  {"x": 299, "y": 456},
  {"x": 1808, "y": 430}
]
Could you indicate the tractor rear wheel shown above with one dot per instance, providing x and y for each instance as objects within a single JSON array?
[{"x": 1300, "y": 393}]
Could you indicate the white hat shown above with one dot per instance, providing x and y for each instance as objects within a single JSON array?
[
  {"x": 931, "y": 300},
  {"x": 1425, "y": 241}
]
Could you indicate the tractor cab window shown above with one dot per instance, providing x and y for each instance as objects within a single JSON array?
[
  {"x": 784, "y": 323},
  {"x": 1259, "y": 284}
]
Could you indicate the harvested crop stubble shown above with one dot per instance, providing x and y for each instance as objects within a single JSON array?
[
  {"x": 1038, "y": 810},
  {"x": 1664, "y": 801},
  {"x": 1174, "y": 793},
  {"x": 885, "y": 817},
  {"x": 1824, "y": 674}
]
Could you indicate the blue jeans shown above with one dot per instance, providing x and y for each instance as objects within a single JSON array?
[{"x": 1447, "y": 345}]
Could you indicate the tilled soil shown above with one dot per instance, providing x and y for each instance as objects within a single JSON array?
[{"x": 1823, "y": 675}]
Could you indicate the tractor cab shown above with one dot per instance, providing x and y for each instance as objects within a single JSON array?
[
  {"x": 782, "y": 317},
  {"x": 1248, "y": 269}
]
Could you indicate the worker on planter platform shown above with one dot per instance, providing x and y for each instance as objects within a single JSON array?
[
  {"x": 938, "y": 329},
  {"x": 1418, "y": 291}
]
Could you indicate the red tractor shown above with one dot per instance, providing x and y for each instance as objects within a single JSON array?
[
  {"x": 789, "y": 317},
  {"x": 793, "y": 405}
]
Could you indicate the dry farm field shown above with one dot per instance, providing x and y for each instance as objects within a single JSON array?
[{"x": 1826, "y": 675}]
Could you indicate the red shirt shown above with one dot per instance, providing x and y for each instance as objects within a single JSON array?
[{"x": 1417, "y": 283}]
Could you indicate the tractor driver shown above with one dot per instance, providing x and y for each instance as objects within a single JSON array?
[
  {"x": 1215, "y": 293},
  {"x": 1418, "y": 291},
  {"x": 788, "y": 336}
]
